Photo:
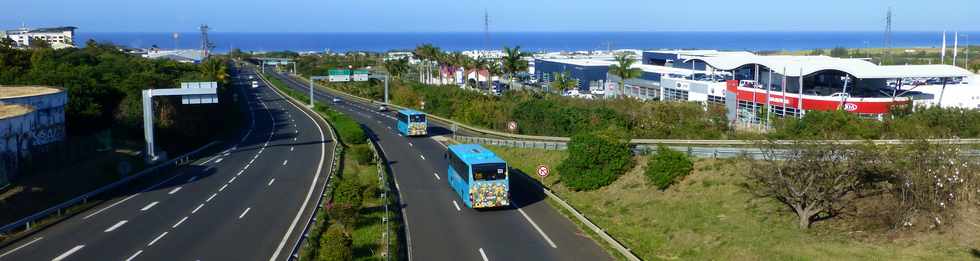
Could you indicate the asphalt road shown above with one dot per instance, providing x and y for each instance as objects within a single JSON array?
[
  {"x": 246, "y": 202},
  {"x": 439, "y": 226}
]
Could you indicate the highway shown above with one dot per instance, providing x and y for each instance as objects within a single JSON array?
[
  {"x": 439, "y": 226},
  {"x": 248, "y": 201}
]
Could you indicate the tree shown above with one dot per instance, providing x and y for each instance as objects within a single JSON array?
[
  {"x": 839, "y": 52},
  {"x": 563, "y": 81},
  {"x": 38, "y": 43},
  {"x": 493, "y": 68},
  {"x": 479, "y": 64},
  {"x": 623, "y": 70},
  {"x": 667, "y": 166},
  {"x": 347, "y": 200},
  {"x": 513, "y": 62},
  {"x": 817, "y": 51},
  {"x": 335, "y": 245},
  {"x": 596, "y": 159},
  {"x": 815, "y": 179},
  {"x": 396, "y": 68},
  {"x": 215, "y": 69}
]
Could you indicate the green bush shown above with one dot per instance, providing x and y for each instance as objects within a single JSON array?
[
  {"x": 349, "y": 130},
  {"x": 362, "y": 154},
  {"x": 335, "y": 245},
  {"x": 347, "y": 200},
  {"x": 667, "y": 166},
  {"x": 595, "y": 159}
]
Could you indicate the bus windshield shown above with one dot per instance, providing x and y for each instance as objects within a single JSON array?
[
  {"x": 490, "y": 171},
  {"x": 417, "y": 118}
]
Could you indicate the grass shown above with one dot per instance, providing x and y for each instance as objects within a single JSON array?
[{"x": 710, "y": 216}]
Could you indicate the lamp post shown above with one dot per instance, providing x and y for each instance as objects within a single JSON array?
[{"x": 312, "y": 80}]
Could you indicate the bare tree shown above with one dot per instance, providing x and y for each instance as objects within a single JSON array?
[{"x": 814, "y": 179}]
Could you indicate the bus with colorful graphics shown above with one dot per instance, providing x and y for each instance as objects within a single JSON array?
[
  {"x": 412, "y": 123},
  {"x": 478, "y": 176}
]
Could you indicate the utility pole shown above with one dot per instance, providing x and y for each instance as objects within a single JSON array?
[
  {"x": 205, "y": 44},
  {"x": 886, "y": 54}
]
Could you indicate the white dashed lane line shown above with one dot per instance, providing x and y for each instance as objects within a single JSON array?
[
  {"x": 134, "y": 255},
  {"x": 114, "y": 227},
  {"x": 483, "y": 255},
  {"x": 271, "y": 181},
  {"x": 423, "y": 157},
  {"x": 457, "y": 206},
  {"x": 68, "y": 253},
  {"x": 284, "y": 162},
  {"x": 197, "y": 208},
  {"x": 211, "y": 197},
  {"x": 149, "y": 206},
  {"x": 223, "y": 187},
  {"x": 179, "y": 222},
  {"x": 157, "y": 239},
  {"x": 219, "y": 160},
  {"x": 174, "y": 191},
  {"x": 437, "y": 176},
  {"x": 243, "y": 213}
]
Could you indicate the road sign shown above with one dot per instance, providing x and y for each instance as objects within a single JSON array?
[
  {"x": 199, "y": 98},
  {"x": 543, "y": 171},
  {"x": 512, "y": 126}
]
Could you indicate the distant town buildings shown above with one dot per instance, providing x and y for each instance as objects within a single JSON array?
[{"x": 57, "y": 37}]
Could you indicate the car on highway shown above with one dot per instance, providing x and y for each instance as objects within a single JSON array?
[
  {"x": 335, "y": 100},
  {"x": 255, "y": 84},
  {"x": 383, "y": 108},
  {"x": 250, "y": 77}
]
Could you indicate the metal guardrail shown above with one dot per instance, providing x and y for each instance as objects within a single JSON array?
[
  {"x": 643, "y": 141},
  {"x": 60, "y": 209}
]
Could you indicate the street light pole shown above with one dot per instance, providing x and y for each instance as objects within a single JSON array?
[{"x": 312, "y": 80}]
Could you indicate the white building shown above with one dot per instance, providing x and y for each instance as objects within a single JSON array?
[{"x": 58, "y": 37}]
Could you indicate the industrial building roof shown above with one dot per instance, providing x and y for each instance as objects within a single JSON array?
[
  {"x": 794, "y": 66},
  {"x": 606, "y": 63}
]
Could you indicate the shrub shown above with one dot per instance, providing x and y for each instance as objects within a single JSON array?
[
  {"x": 349, "y": 130},
  {"x": 335, "y": 245},
  {"x": 667, "y": 166},
  {"x": 362, "y": 154},
  {"x": 347, "y": 200},
  {"x": 596, "y": 159}
]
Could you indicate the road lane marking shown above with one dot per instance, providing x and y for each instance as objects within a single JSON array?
[
  {"x": 148, "y": 206},
  {"x": 22, "y": 246},
  {"x": 114, "y": 227},
  {"x": 291, "y": 148},
  {"x": 223, "y": 187},
  {"x": 179, "y": 222},
  {"x": 243, "y": 213},
  {"x": 456, "y": 205},
  {"x": 270, "y": 181},
  {"x": 535, "y": 225},
  {"x": 174, "y": 191},
  {"x": 437, "y": 176},
  {"x": 157, "y": 239},
  {"x": 284, "y": 162},
  {"x": 110, "y": 206},
  {"x": 232, "y": 179},
  {"x": 294, "y": 138},
  {"x": 197, "y": 208},
  {"x": 423, "y": 157},
  {"x": 134, "y": 255},
  {"x": 212, "y": 196},
  {"x": 411, "y": 145},
  {"x": 219, "y": 160},
  {"x": 68, "y": 253},
  {"x": 484, "y": 255}
]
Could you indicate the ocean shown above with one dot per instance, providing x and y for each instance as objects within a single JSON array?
[{"x": 532, "y": 41}]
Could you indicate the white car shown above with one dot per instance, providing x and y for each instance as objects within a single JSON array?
[
  {"x": 336, "y": 100},
  {"x": 255, "y": 84}
]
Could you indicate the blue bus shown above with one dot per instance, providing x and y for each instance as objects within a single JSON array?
[
  {"x": 412, "y": 123},
  {"x": 478, "y": 176}
]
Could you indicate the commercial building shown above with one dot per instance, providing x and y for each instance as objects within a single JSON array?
[{"x": 57, "y": 37}]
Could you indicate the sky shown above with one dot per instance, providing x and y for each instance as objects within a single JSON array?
[{"x": 505, "y": 15}]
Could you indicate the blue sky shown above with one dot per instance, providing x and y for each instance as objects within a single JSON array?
[{"x": 505, "y": 15}]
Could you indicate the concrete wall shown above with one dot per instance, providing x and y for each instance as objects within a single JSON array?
[{"x": 22, "y": 135}]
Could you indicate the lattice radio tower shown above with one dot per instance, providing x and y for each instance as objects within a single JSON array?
[
  {"x": 887, "y": 53},
  {"x": 206, "y": 45},
  {"x": 486, "y": 29}
]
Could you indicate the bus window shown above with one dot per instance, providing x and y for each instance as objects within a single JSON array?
[
  {"x": 418, "y": 118},
  {"x": 488, "y": 172}
]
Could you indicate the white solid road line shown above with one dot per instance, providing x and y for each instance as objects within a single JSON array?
[
  {"x": 110, "y": 206},
  {"x": 68, "y": 253},
  {"x": 179, "y": 222},
  {"x": 270, "y": 182},
  {"x": 21, "y": 246},
  {"x": 211, "y": 197},
  {"x": 134, "y": 255},
  {"x": 284, "y": 162},
  {"x": 437, "y": 176},
  {"x": 197, "y": 208},
  {"x": 243, "y": 213},
  {"x": 223, "y": 187},
  {"x": 456, "y": 205},
  {"x": 157, "y": 239},
  {"x": 173, "y": 191},
  {"x": 114, "y": 227},
  {"x": 148, "y": 206},
  {"x": 535, "y": 225},
  {"x": 484, "y": 255}
]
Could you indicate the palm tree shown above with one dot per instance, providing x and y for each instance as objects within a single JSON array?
[
  {"x": 425, "y": 53},
  {"x": 216, "y": 70},
  {"x": 563, "y": 81},
  {"x": 479, "y": 64},
  {"x": 513, "y": 62},
  {"x": 396, "y": 68},
  {"x": 622, "y": 69},
  {"x": 493, "y": 68},
  {"x": 456, "y": 60}
]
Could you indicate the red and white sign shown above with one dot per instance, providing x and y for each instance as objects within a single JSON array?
[
  {"x": 512, "y": 126},
  {"x": 543, "y": 171}
]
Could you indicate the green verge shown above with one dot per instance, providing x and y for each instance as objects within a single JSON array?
[
  {"x": 708, "y": 215},
  {"x": 367, "y": 231}
]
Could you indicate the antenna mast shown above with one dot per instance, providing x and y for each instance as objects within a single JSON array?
[
  {"x": 205, "y": 44},
  {"x": 887, "y": 53},
  {"x": 486, "y": 29}
]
